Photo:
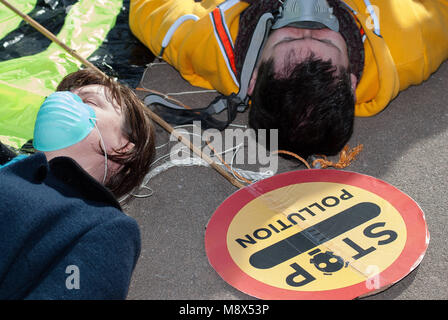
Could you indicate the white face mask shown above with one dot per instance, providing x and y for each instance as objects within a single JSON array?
[{"x": 306, "y": 14}]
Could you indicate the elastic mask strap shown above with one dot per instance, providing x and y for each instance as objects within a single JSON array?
[
  {"x": 104, "y": 150},
  {"x": 234, "y": 103},
  {"x": 253, "y": 53}
]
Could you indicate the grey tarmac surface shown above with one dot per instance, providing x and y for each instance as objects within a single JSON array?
[{"x": 406, "y": 146}]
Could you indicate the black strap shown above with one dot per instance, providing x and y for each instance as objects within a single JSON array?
[{"x": 176, "y": 114}]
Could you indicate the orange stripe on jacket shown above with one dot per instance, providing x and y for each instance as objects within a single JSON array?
[{"x": 224, "y": 37}]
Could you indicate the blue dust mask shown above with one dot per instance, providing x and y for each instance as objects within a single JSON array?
[{"x": 62, "y": 121}]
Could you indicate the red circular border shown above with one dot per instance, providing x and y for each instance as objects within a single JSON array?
[{"x": 219, "y": 256}]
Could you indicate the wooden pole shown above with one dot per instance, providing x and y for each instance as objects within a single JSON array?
[
  {"x": 49, "y": 35},
  {"x": 195, "y": 149},
  {"x": 153, "y": 115}
]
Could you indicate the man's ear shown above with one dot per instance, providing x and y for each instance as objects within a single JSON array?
[
  {"x": 354, "y": 84},
  {"x": 252, "y": 82}
]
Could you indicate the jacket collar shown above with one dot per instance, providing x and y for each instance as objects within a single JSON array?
[{"x": 37, "y": 169}]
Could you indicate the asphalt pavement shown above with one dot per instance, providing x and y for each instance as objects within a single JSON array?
[{"x": 405, "y": 146}]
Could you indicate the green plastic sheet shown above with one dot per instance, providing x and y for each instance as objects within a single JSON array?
[
  {"x": 9, "y": 21},
  {"x": 26, "y": 81}
]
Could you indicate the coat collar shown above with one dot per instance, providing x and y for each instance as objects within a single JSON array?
[{"x": 37, "y": 169}]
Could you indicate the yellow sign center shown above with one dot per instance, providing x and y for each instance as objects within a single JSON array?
[{"x": 316, "y": 236}]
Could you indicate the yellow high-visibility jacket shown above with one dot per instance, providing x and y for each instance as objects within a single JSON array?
[{"x": 406, "y": 41}]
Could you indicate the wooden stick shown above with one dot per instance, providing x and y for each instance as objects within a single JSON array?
[
  {"x": 50, "y": 35},
  {"x": 153, "y": 115},
  {"x": 195, "y": 149}
]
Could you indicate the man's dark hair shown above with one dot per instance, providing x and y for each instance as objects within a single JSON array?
[{"x": 312, "y": 106}]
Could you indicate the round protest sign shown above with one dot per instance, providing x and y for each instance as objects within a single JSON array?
[{"x": 316, "y": 234}]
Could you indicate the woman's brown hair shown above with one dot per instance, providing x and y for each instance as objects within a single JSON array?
[{"x": 137, "y": 128}]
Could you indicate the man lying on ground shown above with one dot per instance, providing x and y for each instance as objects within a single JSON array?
[{"x": 322, "y": 62}]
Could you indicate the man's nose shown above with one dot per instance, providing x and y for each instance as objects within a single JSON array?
[{"x": 307, "y": 33}]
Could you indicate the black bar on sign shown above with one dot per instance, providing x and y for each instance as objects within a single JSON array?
[{"x": 315, "y": 235}]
